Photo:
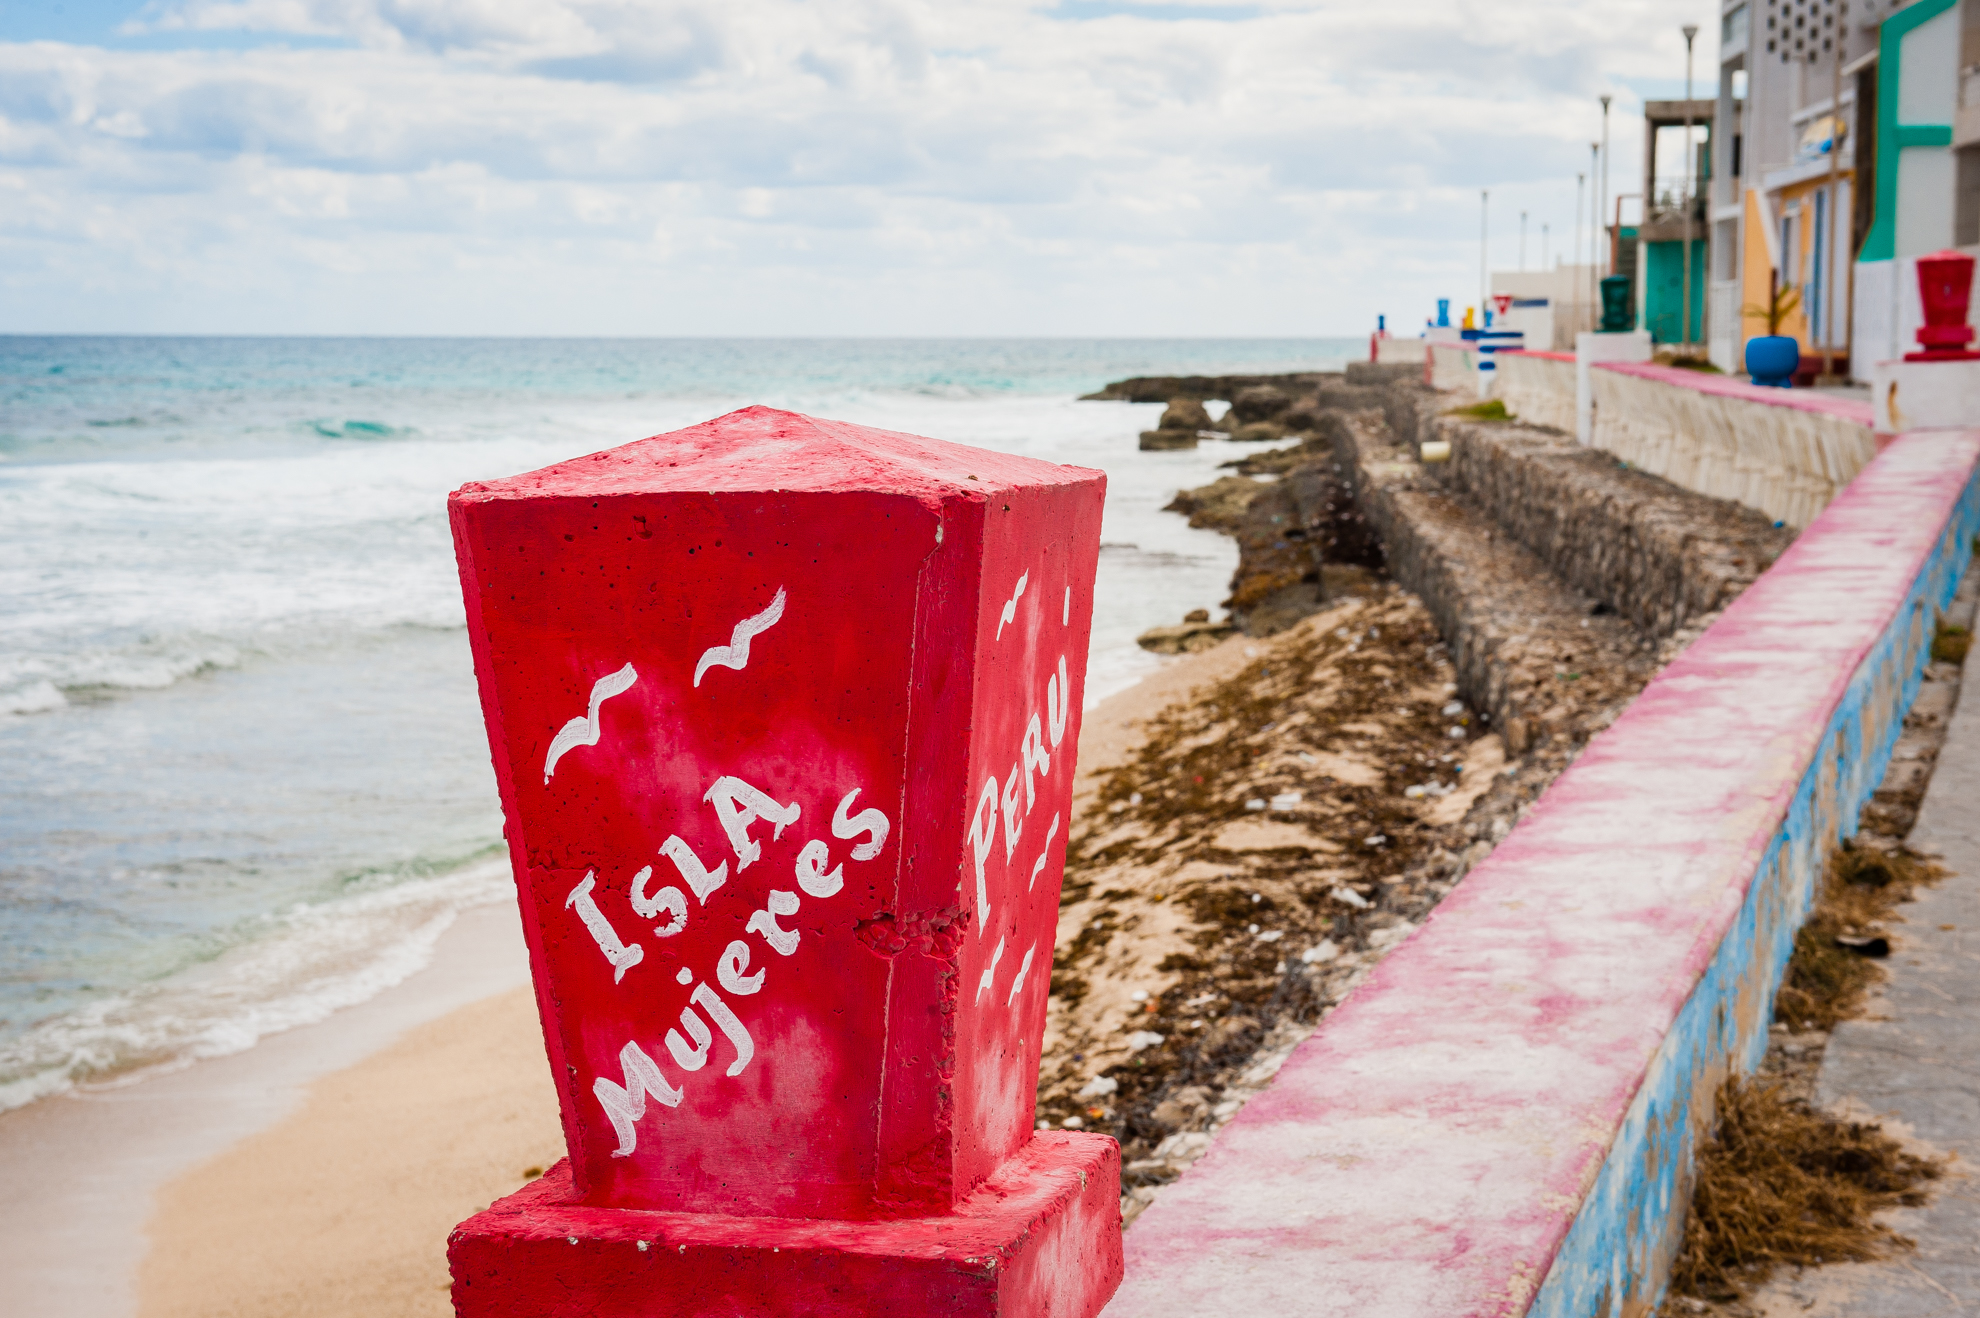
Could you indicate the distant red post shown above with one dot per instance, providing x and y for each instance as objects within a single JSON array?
[
  {"x": 783, "y": 712},
  {"x": 1945, "y": 288}
]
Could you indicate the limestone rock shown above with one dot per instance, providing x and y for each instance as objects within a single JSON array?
[
  {"x": 1219, "y": 505},
  {"x": 1259, "y": 432},
  {"x": 1185, "y": 414},
  {"x": 1185, "y": 638},
  {"x": 1303, "y": 417},
  {"x": 1155, "y": 441},
  {"x": 1260, "y": 402}
]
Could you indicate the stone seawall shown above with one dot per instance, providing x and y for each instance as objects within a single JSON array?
[
  {"x": 1660, "y": 555},
  {"x": 1517, "y": 635}
]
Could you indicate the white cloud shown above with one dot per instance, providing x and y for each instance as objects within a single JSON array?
[{"x": 772, "y": 166}]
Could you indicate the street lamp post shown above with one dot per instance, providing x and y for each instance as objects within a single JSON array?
[
  {"x": 1484, "y": 200},
  {"x": 1580, "y": 210},
  {"x": 1602, "y": 193},
  {"x": 1522, "y": 242},
  {"x": 1690, "y": 164},
  {"x": 1594, "y": 238}
]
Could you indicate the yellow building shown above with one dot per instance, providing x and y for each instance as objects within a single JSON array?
[{"x": 1777, "y": 211}]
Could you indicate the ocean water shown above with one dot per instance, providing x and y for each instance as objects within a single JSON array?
[{"x": 243, "y": 777}]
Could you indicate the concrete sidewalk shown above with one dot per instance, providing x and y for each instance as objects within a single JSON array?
[{"x": 1913, "y": 1064}]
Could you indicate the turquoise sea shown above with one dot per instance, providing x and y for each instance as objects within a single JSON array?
[{"x": 243, "y": 779}]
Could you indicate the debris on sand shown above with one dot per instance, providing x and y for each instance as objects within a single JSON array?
[{"x": 1201, "y": 939}]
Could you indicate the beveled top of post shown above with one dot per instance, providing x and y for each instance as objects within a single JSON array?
[{"x": 738, "y": 453}]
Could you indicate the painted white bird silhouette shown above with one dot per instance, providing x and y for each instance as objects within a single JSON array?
[
  {"x": 1018, "y": 983},
  {"x": 736, "y": 653},
  {"x": 990, "y": 975},
  {"x": 584, "y": 731},
  {"x": 1010, "y": 605}
]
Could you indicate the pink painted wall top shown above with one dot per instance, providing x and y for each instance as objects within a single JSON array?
[
  {"x": 1727, "y": 386},
  {"x": 783, "y": 714}
]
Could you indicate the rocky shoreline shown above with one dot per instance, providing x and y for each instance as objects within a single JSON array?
[
  {"x": 1261, "y": 408},
  {"x": 1400, "y": 676}
]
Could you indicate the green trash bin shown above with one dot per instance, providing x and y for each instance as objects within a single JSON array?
[{"x": 1615, "y": 305}]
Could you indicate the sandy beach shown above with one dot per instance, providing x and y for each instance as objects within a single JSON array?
[
  {"x": 320, "y": 1172},
  {"x": 345, "y": 1206},
  {"x": 102, "y": 1159}
]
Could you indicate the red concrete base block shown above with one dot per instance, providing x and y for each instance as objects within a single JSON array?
[{"x": 1039, "y": 1239}]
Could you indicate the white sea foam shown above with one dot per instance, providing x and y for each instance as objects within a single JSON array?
[
  {"x": 31, "y": 697},
  {"x": 291, "y": 968}
]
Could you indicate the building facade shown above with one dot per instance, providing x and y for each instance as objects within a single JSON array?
[
  {"x": 1653, "y": 255},
  {"x": 1850, "y": 156}
]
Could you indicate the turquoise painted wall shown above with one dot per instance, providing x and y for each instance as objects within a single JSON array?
[{"x": 1663, "y": 291}]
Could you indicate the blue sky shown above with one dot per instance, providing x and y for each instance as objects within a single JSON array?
[{"x": 789, "y": 167}]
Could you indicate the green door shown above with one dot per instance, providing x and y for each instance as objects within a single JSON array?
[{"x": 1663, "y": 287}]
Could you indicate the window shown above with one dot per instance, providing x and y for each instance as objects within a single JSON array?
[
  {"x": 1732, "y": 27},
  {"x": 1790, "y": 259}
]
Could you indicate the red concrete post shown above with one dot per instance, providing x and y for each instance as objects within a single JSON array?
[
  {"x": 783, "y": 713},
  {"x": 1945, "y": 288}
]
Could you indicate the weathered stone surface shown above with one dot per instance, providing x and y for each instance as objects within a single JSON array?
[
  {"x": 1660, "y": 555},
  {"x": 1277, "y": 581},
  {"x": 1185, "y": 414},
  {"x": 1409, "y": 410},
  {"x": 1260, "y": 402},
  {"x": 1161, "y": 388},
  {"x": 1219, "y": 505},
  {"x": 1384, "y": 373},
  {"x": 1153, "y": 441},
  {"x": 1303, "y": 417},
  {"x": 1291, "y": 535},
  {"x": 1259, "y": 432},
  {"x": 1185, "y": 638},
  {"x": 1333, "y": 396},
  {"x": 1531, "y": 653},
  {"x": 1324, "y": 499}
]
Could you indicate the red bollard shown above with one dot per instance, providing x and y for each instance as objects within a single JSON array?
[
  {"x": 783, "y": 712},
  {"x": 1945, "y": 288}
]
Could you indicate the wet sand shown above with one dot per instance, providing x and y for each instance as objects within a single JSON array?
[
  {"x": 345, "y": 1207},
  {"x": 87, "y": 1168}
]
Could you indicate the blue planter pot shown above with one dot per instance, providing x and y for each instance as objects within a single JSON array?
[{"x": 1772, "y": 358}]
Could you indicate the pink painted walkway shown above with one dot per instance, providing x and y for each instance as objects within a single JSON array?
[
  {"x": 1732, "y": 386},
  {"x": 1428, "y": 1149}
]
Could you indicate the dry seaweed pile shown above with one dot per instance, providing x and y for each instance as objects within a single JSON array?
[
  {"x": 1235, "y": 876},
  {"x": 1782, "y": 1184},
  {"x": 1836, "y": 951}
]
